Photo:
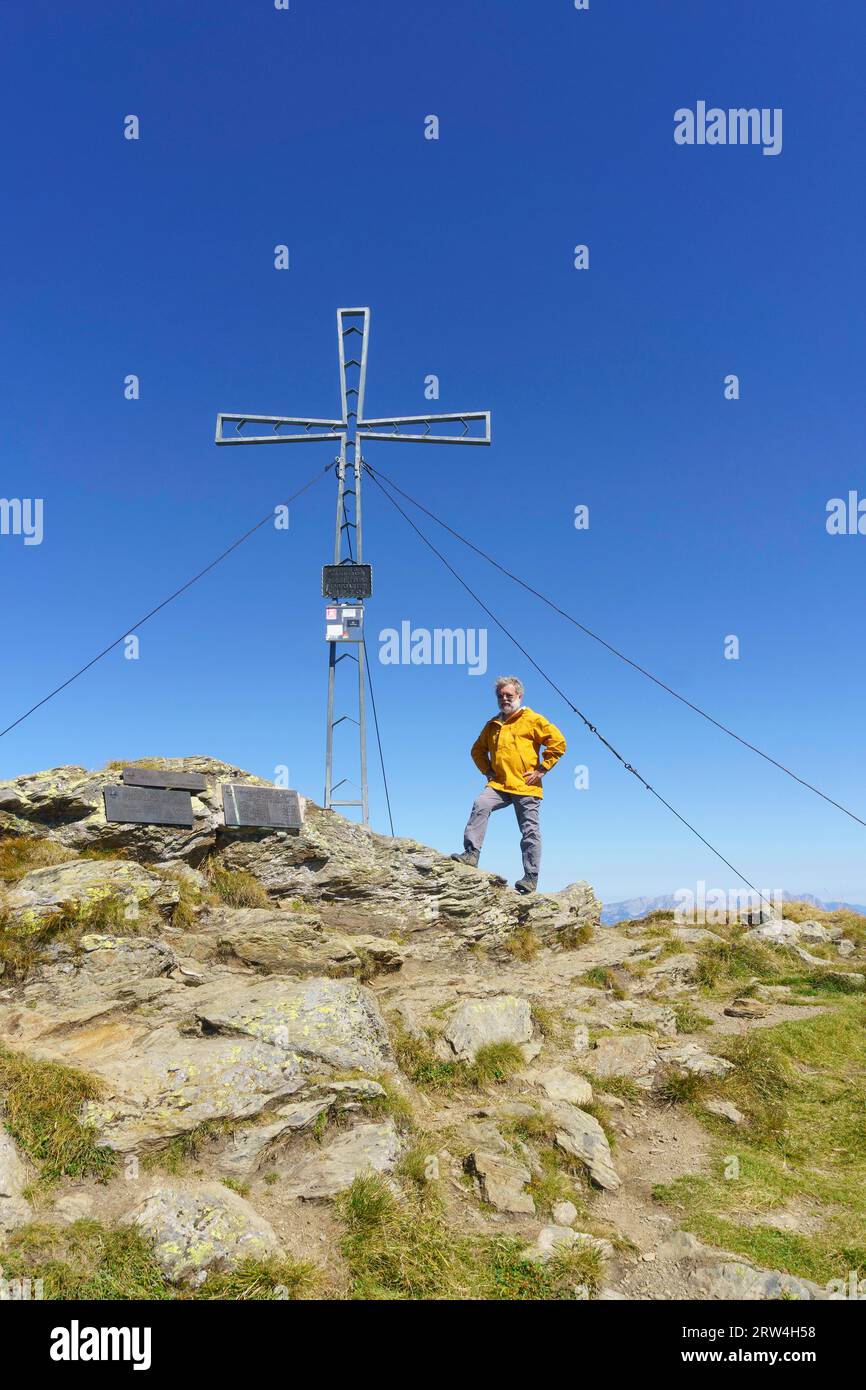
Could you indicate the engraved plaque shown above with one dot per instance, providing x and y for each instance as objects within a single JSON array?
[
  {"x": 156, "y": 777},
  {"x": 269, "y": 808},
  {"x": 148, "y": 805}
]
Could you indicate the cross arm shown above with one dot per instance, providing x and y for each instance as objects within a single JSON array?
[
  {"x": 470, "y": 427},
  {"x": 274, "y": 429}
]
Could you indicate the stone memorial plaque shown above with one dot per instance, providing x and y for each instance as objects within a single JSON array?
[
  {"x": 148, "y": 805},
  {"x": 264, "y": 807},
  {"x": 156, "y": 777}
]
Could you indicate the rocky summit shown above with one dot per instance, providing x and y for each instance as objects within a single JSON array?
[{"x": 328, "y": 1063}]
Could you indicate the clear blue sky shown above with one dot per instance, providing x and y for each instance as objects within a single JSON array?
[{"x": 305, "y": 127}]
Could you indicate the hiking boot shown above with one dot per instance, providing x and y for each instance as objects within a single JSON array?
[
  {"x": 469, "y": 856},
  {"x": 526, "y": 884}
]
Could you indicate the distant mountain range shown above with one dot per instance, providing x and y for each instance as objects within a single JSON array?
[{"x": 634, "y": 908}]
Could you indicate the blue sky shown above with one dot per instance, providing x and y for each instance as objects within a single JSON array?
[{"x": 707, "y": 516}]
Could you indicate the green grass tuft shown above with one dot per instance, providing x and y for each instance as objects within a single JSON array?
[
  {"x": 725, "y": 963},
  {"x": 681, "y": 1087},
  {"x": 602, "y": 977},
  {"x": 522, "y": 944},
  {"x": 176, "y": 1156},
  {"x": 235, "y": 887},
  {"x": 688, "y": 1018},
  {"x": 417, "y": 1059},
  {"x": 20, "y": 854},
  {"x": 625, "y": 1087},
  {"x": 570, "y": 938},
  {"x": 553, "y": 1184},
  {"x": 573, "y": 1274},
  {"x": 400, "y": 1248},
  {"x": 40, "y": 1101},
  {"x": 87, "y": 1261}
]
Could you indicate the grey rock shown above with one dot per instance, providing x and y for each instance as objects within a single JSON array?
[
  {"x": 582, "y": 1136},
  {"x": 249, "y": 1147},
  {"x": 530, "y": 1158},
  {"x": 477, "y": 1022},
  {"x": 555, "y": 1240},
  {"x": 484, "y": 1136},
  {"x": 15, "y": 1211},
  {"x": 175, "y": 1084},
  {"x": 280, "y": 941},
  {"x": 630, "y": 1054},
  {"x": 560, "y": 1084},
  {"x": 777, "y": 932},
  {"x": 331, "y": 861},
  {"x": 580, "y": 1039},
  {"x": 771, "y": 994},
  {"x": 110, "y": 962},
  {"x": 362, "y": 1087},
  {"x": 185, "y": 874},
  {"x": 288, "y": 943},
  {"x": 733, "y": 1280},
  {"x": 660, "y": 1017},
  {"x": 681, "y": 968},
  {"x": 86, "y": 883},
  {"x": 74, "y": 1206},
  {"x": 196, "y": 1230},
  {"x": 501, "y": 1179},
  {"x": 694, "y": 936},
  {"x": 726, "y": 1110},
  {"x": 851, "y": 979},
  {"x": 808, "y": 957},
  {"x": 380, "y": 951},
  {"x": 746, "y": 1008},
  {"x": 410, "y": 1018},
  {"x": 680, "y": 1245},
  {"x": 556, "y": 918},
  {"x": 368, "y": 1148},
  {"x": 511, "y": 1110},
  {"x": 332, "y": 1021},
  {"x": 813, "y": 931},
  {"x": 689, "y": 1056},
  {"x": 564, "y": 1213},
  {"x": 68, "y": 802}
]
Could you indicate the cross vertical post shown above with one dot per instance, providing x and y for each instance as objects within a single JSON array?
[
  {"x": 353, "y": 376},
  {"x": 470, "y": 427}
]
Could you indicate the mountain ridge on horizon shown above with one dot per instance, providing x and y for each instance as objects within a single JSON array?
[{"x": 632, "y": 909}]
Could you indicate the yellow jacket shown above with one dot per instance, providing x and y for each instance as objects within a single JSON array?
[{"x": 506, "y": 749}]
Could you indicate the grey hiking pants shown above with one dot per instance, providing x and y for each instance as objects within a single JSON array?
[{"x": 526, "y": 809}]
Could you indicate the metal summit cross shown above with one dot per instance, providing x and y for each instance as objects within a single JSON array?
[{"x": 469, "y": 427}]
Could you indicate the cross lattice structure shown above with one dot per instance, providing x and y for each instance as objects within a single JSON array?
[{"x": 350, "y": 432}]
